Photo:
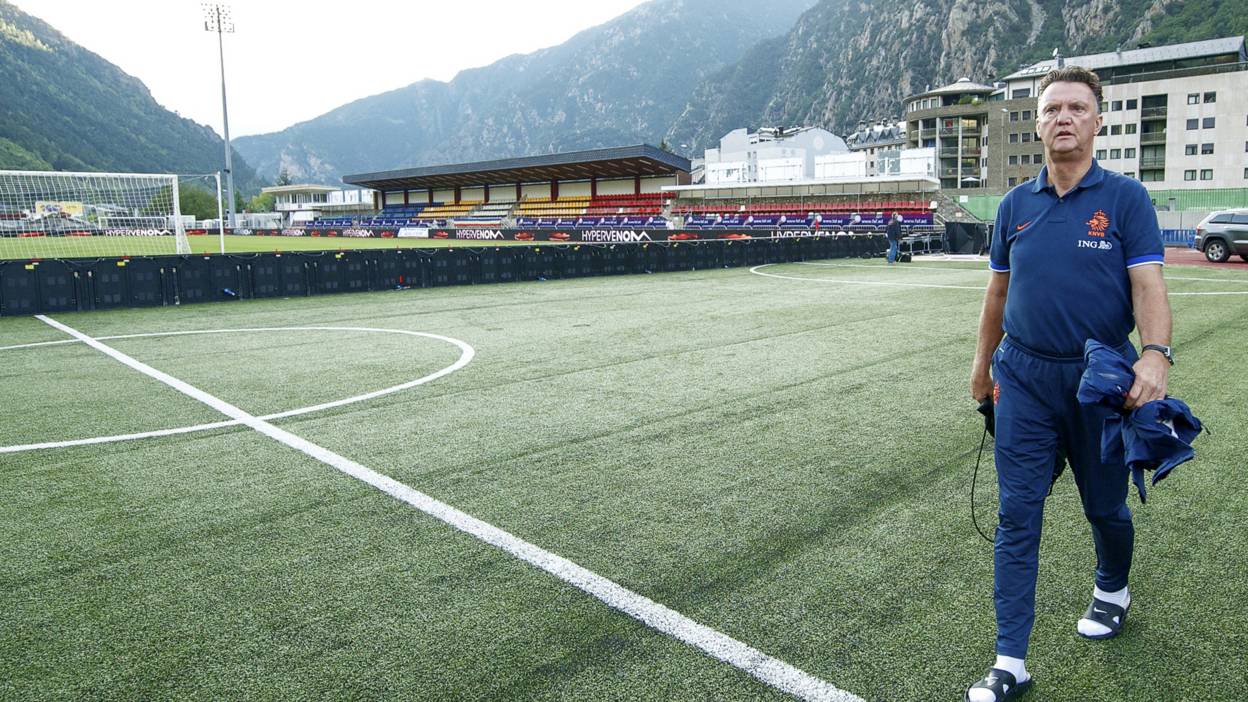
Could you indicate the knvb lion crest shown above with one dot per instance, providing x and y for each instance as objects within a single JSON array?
[{"x": 1099, "y": 224}]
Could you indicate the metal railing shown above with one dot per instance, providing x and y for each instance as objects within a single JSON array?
[
  {"x": 1153, "y": 137},
  {"x": 1152, "y": 112}
]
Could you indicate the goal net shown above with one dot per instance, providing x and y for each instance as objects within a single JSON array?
[{"x": 72, "y": 215}]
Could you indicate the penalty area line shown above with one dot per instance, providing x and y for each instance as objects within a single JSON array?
[{"x": 768, "y": 670}]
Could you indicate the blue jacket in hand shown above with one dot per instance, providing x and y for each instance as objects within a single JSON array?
[{"x": 1156, "y": 436}]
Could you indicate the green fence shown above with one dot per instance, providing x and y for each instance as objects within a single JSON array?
[
  {"x": 1200, "y": 199},
  {"x": 985, "y": 206}
]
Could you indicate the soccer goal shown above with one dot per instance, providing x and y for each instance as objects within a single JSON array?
[{"x": 72, "y": 215}]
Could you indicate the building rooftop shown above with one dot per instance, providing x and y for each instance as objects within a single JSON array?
[
  {"x": 962, "y": 85},
  {"x": 1155, "y": 54},
  {"x": 298, "y": 188}
]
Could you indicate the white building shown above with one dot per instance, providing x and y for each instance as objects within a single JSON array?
[
  {"x": 300, "y": 204},
  {"x": 1175, "y": 116},
  {"x": 882, "y": 140},
  {"x": 769, "y": 155},
  {"x": 890, "y": 162}
]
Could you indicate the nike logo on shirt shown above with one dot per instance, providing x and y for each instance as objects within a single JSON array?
[{"x": 1022, "y": 226}]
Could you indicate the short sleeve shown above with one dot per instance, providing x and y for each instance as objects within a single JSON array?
[
  {"x": 1141, "y": 237},
  {"x": 999, "y": 251}
]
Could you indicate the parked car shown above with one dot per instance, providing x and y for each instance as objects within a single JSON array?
[{"x": 1223, "y": 233}]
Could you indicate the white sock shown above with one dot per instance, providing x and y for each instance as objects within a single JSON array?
[
  {"x": 1013, "y": 666},
  {"x": 1122, "y": 598}
]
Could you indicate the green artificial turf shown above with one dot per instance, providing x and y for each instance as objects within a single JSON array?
[{"x": 786, "y": 461}]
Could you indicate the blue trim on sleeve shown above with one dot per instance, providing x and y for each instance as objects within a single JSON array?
[
  {"x": 1144, "y": 260},
  {"x": 998, "y": 269}
]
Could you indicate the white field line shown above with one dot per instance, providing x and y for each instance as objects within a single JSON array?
[
  {"x": 466, "y": 355},
  {"x": 904, "y": 266},
  {"x": 770, "y": 671},
  {"x": 757, "y": 270}
]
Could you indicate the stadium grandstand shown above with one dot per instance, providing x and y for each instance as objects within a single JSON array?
[
  {"x": 602, "y": 188},
  {"x": 636, "y": 187}
]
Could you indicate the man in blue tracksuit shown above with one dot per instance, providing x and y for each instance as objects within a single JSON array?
[{"x": 1076, "y": 255}]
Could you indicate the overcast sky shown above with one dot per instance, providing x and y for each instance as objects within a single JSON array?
[{"x": 291, "y": 60}]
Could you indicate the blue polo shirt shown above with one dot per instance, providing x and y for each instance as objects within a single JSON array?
[{"x": 1068, "y": 258}]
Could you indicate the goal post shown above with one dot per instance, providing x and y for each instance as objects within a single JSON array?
[{"x": 50, "y": 214}]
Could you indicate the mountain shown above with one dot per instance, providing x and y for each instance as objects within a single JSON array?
[
  {"x": 846, "y": 60},
  {"x": 623, "y": 82},
  {"x": 65, "y": 108}
]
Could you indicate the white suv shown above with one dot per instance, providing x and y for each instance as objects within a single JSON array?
[{"x": 1223, "y": 233}]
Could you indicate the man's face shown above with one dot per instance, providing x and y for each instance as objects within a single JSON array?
[{"x": 1067, "y": 121}]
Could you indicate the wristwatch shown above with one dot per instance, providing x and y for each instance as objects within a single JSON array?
[{"x": 1161, "y": 349}]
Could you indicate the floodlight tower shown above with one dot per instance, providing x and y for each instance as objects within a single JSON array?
[{"x": 217, "y": 19}]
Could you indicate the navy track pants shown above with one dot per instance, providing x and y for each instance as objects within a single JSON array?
[{"x": 1036, "y": 414}]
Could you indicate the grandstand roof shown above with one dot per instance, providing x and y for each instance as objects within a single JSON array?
[
  {"x": 1113, "y": 59},
  {"x": 619, "y": 162}
]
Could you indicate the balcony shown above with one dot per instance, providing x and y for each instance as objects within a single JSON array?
[
  {"x": 1153, "y": 113},
  {"x": 950, "y": 173},
  {"x": 927, "y": 133},
  {"x": 1154, "y": 162},
  {"x": 966, "y": 131},
  {"x": 1153, "y": 137},
  {"x": 952, "y": 152}
]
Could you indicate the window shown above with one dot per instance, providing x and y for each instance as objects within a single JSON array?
[
  {"x": 1027, "y": 137},
  {"x": 1013, "y": 138},
  {"x": 1129, "y": 174},
  {"x": 1020, "y": 93},
  {"x": 1115, "y": 129},
  {"x": 1013, "y": 116},
  {"x": 1100, "y": 154},
  {"x": 983, "y": 162},
  {"x": 1208, "y": 123},
  {"x": 1026, "y": 159},
  {"x": 1246, "y": 174},
  {"x": 1104, "y": 131},
  {"x": 1206, "y": 149},
  {"x": 1014, "y": 181},
  {"x": 1129, "y": 153},
  {"x": 1193, "y": 98},
  {"x": 1013, "y": 159},
  {"x": 1206, "y": 174},
  {"x": 1224, "y": 218},
  {"x": 1189, "y": 175},
  {"x": 1152, "y": 176},
  {"x": 1115, "y": 153},
  {"x": 1115, "y": 105},
  {"x": 1211, "y": 97},
  {"x": 1130, "y": 129},
  {"x": 984, "y": 141},
  {"x": 1189, "y": 150},
  {"x": 1104, "y": 107},
  {"x": 1193, "y": 124},
  {"x": 1132, "y": 104},
  {"x": 1026, "y": 115}
]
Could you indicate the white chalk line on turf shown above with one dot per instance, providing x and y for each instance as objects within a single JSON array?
[
  {"x": 757, "y": 270},
  {"x": 466, "y": 355},
  {"x": 766, "y": 669}
]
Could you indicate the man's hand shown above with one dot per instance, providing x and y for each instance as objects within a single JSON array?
[
  {"x": 1151, "y": 374},
  {"x": 981, "y": 385}
]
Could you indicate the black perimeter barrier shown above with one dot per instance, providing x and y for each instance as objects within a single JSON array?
[{"x": 33, "y": 287}]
